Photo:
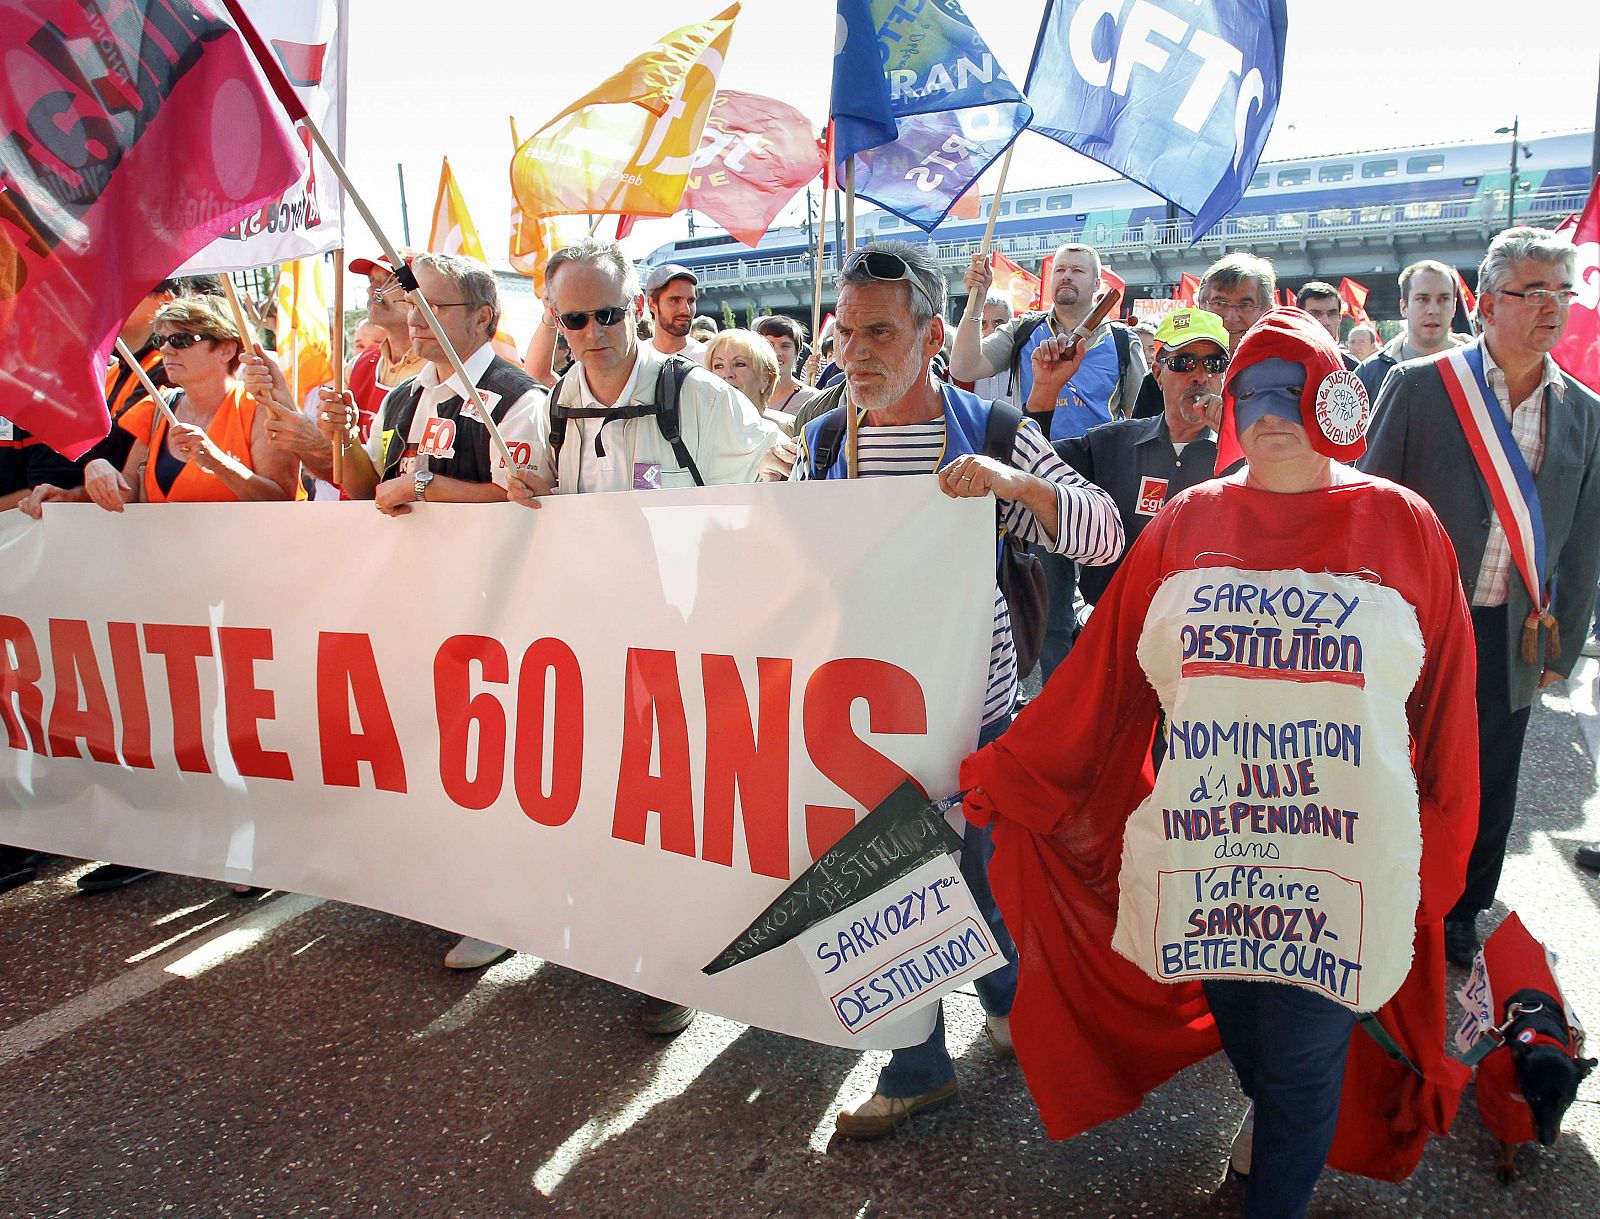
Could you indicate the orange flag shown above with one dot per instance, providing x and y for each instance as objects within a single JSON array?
[
  {"x": 967, "y": 207},
  {"x": 454, "y": 233},
  {"x": 627, "y": 145},
  {"x": 1013, "y": 283},
  {"x": 533, "y": 238},
  {"x": 305, "y": 342}
]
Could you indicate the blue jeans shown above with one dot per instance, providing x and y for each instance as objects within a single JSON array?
[
  {"x": 922, "y": 1068},
  {"x": 1061, "y": 627},
  {"x": 1288, "y": 1046}
]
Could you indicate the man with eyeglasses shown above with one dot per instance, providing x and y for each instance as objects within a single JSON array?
[
  {"x": 1323, "y": 302},
  {"x": 1143, "y": 463},
  {"x": 889, "y": 326},
  {"x": 1533, "y": 459}
]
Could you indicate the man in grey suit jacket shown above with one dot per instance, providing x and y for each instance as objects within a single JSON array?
[{"x": 1524, "y": 293}]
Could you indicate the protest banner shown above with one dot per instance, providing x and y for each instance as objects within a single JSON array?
[
  {"x": 1282, "y": 842},
  {"x": 613, "y": 767},
  {"x": 310, "y": 39}
]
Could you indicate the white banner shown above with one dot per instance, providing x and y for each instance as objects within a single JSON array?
[
  {"x": 311, "y": 40},
  {"x": 608, "y": 732}
]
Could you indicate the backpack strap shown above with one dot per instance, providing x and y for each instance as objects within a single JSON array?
[
  {"x": 558, "y": 419},
  {"x": 830, "y": 435},
  {"x": 1000, "y": 436},
  {"x": 669, "y": 388},
  {"x": 1121, "y": 337},
  {"x": 1025, "y": 328}
]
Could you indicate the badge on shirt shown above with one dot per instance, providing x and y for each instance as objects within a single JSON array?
[
  {"x": 1152, "y": 494},
  {"x": 647, "y": 476},
  {"x": 8, "y": 430},
  {"x": 438, "y": 438},
  {"x": 469, "y": 408}
]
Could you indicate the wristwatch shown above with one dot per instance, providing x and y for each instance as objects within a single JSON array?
[{"x": 424, "y": 477}]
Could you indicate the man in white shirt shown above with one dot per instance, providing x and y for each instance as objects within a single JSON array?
[{"x": 670, "y": 289}]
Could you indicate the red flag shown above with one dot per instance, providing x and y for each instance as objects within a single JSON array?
[
  {"x": 829, "y": 175},
  {"x": 1578, "y": 352},
  {"x": 111, "y": 182},
  {"x": 1354, "y": 296},
  {"x": 755, "y": 154},
  {"x": 1044, "y": 300},
  {"x": 1110, "y": 279},
  {"x": 1286, "y": 298},
  {"x": 1188, "y": 285},
  {"x": 968, "y": 207},
  {"x": 625, "y": 225},
  {"x": 1013, "y": 283}
]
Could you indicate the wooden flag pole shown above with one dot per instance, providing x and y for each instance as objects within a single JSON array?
[
  {"x": 127, "y": 358},
  {"x": 816, "y": 284},
  {"x": 849, "y": 207},
  {"x": 975, "y": 300},
  {"x": 417, "y": 296},
  {"x": 336, "y": 355}
]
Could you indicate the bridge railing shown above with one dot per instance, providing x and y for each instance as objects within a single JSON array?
[{"x": 1411, "y": 218}]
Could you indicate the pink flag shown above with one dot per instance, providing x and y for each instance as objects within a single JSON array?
[
  {"x": 754, "y": 155},
  {"x": 136, "y": 133},
  {"x": 1578, "y": 352}
]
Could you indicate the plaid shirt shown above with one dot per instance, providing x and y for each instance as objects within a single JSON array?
[{"x": 1527, "y": 426}]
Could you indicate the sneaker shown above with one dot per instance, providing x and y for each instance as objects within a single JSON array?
[
  {"x": 1588, "y": 856},
  {"x": 112, "y": 876},
  {"x": 1243, "y": 1143},
  {"x": 473, "y": 954},
  {"x": 1461, "y": 939},
  {"x": 998, "y": 1030},
  {"x": 17, "y": 867},
  {"x": 660, "y": 1018},
  {"x": 879, "y": 1115},
  {"x": 1591, "y": 647}
]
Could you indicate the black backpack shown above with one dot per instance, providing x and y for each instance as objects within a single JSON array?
[
  {"x": 669, "y": 388},
  {"x": 1020, "y": 574}
]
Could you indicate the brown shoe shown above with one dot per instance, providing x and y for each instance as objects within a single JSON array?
[
  {"x": 879, "y": 1115},
  {"x": 660, "y": 1018}
]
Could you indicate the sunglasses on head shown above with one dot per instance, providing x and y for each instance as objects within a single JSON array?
[
  {"x": 577, "y": 319},
  {"x": 1182, "y": 361},
  {"x": 182, "y": 340},
  {"x": 888, "y": 268}
]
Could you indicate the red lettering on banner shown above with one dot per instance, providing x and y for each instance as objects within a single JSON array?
[
  {"x": 347, "y": 672},
  {"x": 182, "y": 647},
  {"x": 458, "y": 709},
  {"x": 755, "y": 763},
  {"x": 652, "y": 704},
  {"x": 127, "y": 667},
  {"x": 895, "y": 704},
  {"x": 80, "y": 708},
  {"x": 544, "y": 658},
  {"x": 19, "y": 683},
  {"x": 247, "y": 704}
]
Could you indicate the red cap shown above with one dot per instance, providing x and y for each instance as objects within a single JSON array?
[
  {"x": 365, "y": 266},
  {"x": 1334, "y": 408}
]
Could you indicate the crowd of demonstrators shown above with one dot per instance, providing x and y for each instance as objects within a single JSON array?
[
  {"x": 702, "y": 430},
  {"x": 890, "y": 327},
  {"x": 1428, "y": 303},
  {"x": 1525, "y": 291},
  {"x": 788, "y": 339},
  {"x": 1143, "y": 463},
  {"x": 1065, "y": 389},
  {"x": 672, "y": 292}
]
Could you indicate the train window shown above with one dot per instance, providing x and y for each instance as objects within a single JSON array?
[
  {"x": 888, "y": 221},
  {"x": 1027, "y": 206},
  {"x": 1259, "y": 182},
  {"x": 1424, "y": 165},
  {"x": 1336, "y": 173},
  {"x": 1294, "y": 177},
  {"x": 1380, "y": 169},
  {"x": 1058, "y": 203}
]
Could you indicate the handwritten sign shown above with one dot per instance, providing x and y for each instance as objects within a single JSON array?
[
  {"x": 902, "y": 948},
  {"x": 900, "y": 834},
  {"x": 1282, "y": 840}
]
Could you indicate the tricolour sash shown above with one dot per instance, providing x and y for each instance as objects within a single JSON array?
[{"x": 1510, "y": 483}]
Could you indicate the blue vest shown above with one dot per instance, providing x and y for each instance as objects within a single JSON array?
[{"x": 966, "y": 422}]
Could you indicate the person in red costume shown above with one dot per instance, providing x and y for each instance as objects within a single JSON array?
[{"x": 1297, "y": 634}]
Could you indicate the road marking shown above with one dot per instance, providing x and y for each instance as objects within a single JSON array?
[{"x": 188, "y": 961}]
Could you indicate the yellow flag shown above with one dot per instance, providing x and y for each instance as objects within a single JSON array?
[
  {"x": 627, "y": 145},
  {"x": 453, "y": 231},
  {"x": 533, "y": 239},
  {"x": 305, "y": 344}
]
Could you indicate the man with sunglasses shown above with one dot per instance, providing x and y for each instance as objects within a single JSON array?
[
  {"x": 890, "y": 325},
  {"x": 1539, "y": 430},
  {"x": 1143, "y": 463},
  {"x": 393, "y": 360}
]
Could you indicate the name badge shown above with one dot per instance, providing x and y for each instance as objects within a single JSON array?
[
  {"x": 647, "y": 476},
  {"x": 1152, "y": 494}
]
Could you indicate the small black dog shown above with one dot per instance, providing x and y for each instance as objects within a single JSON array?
[{"x": 1526, "y": 1085}]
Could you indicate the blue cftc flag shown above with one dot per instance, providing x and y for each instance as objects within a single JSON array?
[
  {"x": 920, "y": 102},
  {"x": 1178, "y": 95}
]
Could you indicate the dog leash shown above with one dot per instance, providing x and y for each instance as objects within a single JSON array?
[{"x": 1481, "y": 1049}]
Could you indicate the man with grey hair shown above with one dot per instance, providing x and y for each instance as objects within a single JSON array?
[
  {"x": 1362, "y": 343},
  {"x": 1533, "y": 453},
  {"x": 997, "y": 311},
  {"x": 1427, "y": 302},
  {"x": 428, "y": 442},
  {"x": 890, "y": 325}
]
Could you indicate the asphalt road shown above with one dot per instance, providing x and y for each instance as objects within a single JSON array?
[{"x": 170, "y": 1049}]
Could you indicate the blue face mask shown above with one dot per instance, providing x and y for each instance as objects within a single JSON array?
[{"x": 1272, "y": 387}]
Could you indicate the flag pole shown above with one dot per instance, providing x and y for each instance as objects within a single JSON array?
[
  {"x": 816, "y": 286},
  {"x": 849, "y": 207},
  {"x": 975, "y": 300},
  {"x": 126, "y": 357},
  {"x": 247, "y": 337},
  {"x": 336, "y": 354}
]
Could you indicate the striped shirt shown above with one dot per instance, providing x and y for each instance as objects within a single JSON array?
[
  {"x": 1090, "y": 529},
  {"x": 1527, "y": 427}
]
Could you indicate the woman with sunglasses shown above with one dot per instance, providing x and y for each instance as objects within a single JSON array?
[{"x": 218, "y": 451}]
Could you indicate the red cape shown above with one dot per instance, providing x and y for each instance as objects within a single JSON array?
[{"x": 1093, "y": 1032}]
